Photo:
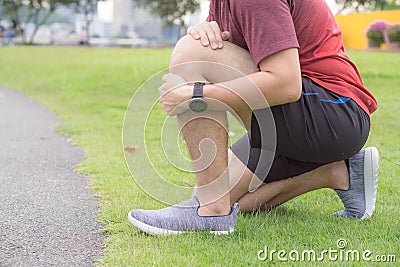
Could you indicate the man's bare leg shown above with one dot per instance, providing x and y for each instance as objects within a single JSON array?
[
  {"x": 209, "y": 134},
  {"x": 207, "y": 142},
  {"x": 334, "y": 175}
]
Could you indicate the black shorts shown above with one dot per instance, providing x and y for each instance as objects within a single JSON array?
[{"x": 292, "y": 139}]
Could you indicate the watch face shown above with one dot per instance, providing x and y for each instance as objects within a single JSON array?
[{"x": 198, "y": 105}]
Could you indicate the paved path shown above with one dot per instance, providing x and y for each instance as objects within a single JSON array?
[{"x": 47, "y": 214}]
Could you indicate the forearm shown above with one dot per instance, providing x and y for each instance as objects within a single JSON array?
[
  {"x": 278, "y": 82},
  {"x": 257, "y": 90}
]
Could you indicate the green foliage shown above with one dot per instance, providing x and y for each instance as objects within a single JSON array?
[
  {"x": 39, "y": 11},
  {"x": 87, "y": 8},
  {"x": 11, "y": 7},
  {"x": 375, "y": 37},
  {"x": 172, "y": 12},
  {"x": 393, "y": 32},
  {"x": 360, "y": 5},
  {"x": 376, "y": 32}
]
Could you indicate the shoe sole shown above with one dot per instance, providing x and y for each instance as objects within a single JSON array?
[
  {"x": 152, "y": 230},
  {"x": 371, "y": 169}
]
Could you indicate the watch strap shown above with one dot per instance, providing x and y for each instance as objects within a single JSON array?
[{"x": 198, "y": 89}]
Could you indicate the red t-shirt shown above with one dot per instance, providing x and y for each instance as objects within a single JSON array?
[{"x": 264, "y": 27}]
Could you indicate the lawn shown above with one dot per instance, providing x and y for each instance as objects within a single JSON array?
[{"x": 90, "y": 89}]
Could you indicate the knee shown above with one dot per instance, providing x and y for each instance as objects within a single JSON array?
[
  {"x": 188, "y": 49},
  {"x": 228, "y": 59}
]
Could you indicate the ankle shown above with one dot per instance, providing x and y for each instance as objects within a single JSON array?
[
  {"x": 344, "y": 185},
  {"x": 218, "y": 208},
  {"x": 339, "y": 176}
]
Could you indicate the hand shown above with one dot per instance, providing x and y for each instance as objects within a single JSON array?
[
  {"x": 209, "y": 33},
  {"x": 174, "y": 94}
]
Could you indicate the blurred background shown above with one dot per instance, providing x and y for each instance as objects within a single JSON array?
[{"x": 140, "y": 23}]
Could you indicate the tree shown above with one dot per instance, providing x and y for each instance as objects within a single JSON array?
[
  {"x": 87, "y": 8},
  {"x": 38, "y": 12},
  {"x": 361, "y": 5},
  {"x": 172, "y": 12},
  {"x": 12, "y": 10}
]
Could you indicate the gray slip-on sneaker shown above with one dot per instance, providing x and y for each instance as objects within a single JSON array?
[
  {"x": 182, "y": 218},
  {"x": 359, "y": 200}
]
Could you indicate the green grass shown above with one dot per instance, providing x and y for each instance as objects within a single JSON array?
[{"x": 89, "y": 89}]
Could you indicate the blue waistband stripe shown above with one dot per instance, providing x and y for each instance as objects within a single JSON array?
[
  {"x": 309, "y": 94},
  {"x": 341, "y": 100}
]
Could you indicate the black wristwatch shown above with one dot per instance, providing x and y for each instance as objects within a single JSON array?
[{"x": 198, "y": 103}]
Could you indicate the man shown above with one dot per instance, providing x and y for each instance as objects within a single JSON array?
[{"x": 292, "y": 52}]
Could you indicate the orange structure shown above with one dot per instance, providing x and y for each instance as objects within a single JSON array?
[{"x": 353, "y": 26}]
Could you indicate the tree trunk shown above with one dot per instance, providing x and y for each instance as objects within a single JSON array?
[
  {"x": 38, "y": 25},
  {"x": 181, "y": 30},
  {"x": 88, "y": 19},
  {"x": 87, "y": 32}
]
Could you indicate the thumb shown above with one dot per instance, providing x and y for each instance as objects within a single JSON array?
[{"x": 225, "y": 35}]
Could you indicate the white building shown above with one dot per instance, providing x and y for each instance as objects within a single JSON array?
[{"x": 122, "y": 18}]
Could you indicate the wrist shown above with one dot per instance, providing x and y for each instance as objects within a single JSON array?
[
  {"x": 198, "y": 103},
  {"x": 188, "y": 89}
]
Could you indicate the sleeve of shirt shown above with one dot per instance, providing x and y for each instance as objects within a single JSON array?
[
  {"x": 211, "y": 12},
  {"x": 266, "y": 25}
]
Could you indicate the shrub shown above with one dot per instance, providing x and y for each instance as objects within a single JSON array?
[
  {"x": 393, "y": 32},
  {"x": 376, "y": 32}
]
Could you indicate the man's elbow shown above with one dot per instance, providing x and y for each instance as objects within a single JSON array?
[
  {"x": 294, "y": 96},
  {"x": 294, "y": 91}
]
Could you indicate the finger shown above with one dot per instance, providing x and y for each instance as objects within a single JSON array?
[
  {"x": 217, "y": 35},
  {"x": 166, "y": 108},
  {"x": 163, "y": 89},
  {"x": 225, "y": 35},
  {"x": 203, "y": 35},
  {"x": 170, "y": 77},
  {"x": 193, "y": 32},
  {"x": 177, "y": 111},
  {"x": 175, "y": 79},
  {"x": 164, "y": 78},
  {"x": 169, "y": 110},
  {"x": 174, "y": 111},
  {"x": 211, "y": 35}
]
